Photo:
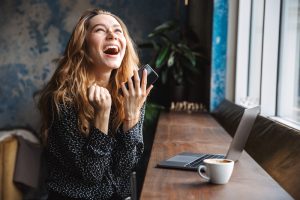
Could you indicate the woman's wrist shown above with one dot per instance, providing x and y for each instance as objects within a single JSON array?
[
  {"x": 131, "y": 118},
  {"x": 130, "y": 121},
  {"x": 101, "y": 121}
]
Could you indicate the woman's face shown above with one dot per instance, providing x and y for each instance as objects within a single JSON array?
[{"x": 106, "y": 42}]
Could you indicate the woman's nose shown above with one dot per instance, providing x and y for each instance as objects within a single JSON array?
[{"x": 111, "y": 35}]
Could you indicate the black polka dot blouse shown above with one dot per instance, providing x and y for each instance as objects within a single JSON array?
[{"x": 97, "y": 166}]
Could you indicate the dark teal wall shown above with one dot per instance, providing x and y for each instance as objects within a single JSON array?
[{"x": 35, "y": 32}]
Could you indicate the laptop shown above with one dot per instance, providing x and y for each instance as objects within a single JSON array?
[{"x": 191, "y": 161}]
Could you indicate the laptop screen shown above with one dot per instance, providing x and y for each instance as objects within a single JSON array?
[{"x": 242, "y": 133}]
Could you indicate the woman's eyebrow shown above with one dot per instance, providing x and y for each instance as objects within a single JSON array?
[
  {"x": 97, "y": 25},
  {"x": 114, "y": 26}
]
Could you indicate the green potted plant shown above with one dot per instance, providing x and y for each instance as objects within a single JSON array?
[{"x": 173, "y": 59}]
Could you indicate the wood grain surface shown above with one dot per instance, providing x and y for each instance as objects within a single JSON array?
[{"x": 200, "y": 133}]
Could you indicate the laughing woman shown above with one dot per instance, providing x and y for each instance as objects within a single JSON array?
[{"x": 93, "y": 134}]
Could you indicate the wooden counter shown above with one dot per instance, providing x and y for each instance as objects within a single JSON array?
[{"x": 178, "y": 132}]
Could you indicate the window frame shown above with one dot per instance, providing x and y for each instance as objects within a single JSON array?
[{"x": 270, "y": 58}]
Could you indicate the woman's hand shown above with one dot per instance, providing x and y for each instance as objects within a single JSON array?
[
  {"x": 101, "y": 101},
  {"x": 134, "y": 98}
]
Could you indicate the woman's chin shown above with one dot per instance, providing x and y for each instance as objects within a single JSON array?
[
  {"x": 108, "y": 63},
  {"x": 112, "y": 61},
  {"x": 113, "y": 64}
]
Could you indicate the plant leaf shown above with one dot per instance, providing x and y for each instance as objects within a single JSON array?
[
  {"x": 161, "y": 57},
  {"x": 188, "y": 53},
  {"x": 171, "y": 59},
  {"x": 155, "y": 45},
  {"x": 187, "y": 64},
  {"x": 183, "y": 46},
  {"x": 191, "y": 57},
  {"x": 164, "y": 27},
  {"x": 194, "y": 69},
  {"x": 177, "y": 74}
]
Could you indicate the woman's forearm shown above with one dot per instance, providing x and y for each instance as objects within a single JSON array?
[
  {"x": 129, "y": 123},
  {"x": 101, "y": 121}
]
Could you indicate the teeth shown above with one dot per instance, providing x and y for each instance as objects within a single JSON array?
[{"x": 111, "y": 47}]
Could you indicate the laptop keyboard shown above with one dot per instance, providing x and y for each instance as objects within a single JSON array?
[{"x": 198, "y": 161}]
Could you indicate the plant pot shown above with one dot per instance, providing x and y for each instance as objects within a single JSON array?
[{"x": 178, "y": 93}]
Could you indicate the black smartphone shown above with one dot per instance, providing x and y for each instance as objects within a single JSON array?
[{"x": 152, "y": 76}]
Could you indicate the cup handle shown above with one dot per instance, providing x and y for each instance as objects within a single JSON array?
[{"x": 202, "y": 167}]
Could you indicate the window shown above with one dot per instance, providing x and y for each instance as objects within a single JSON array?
[
  {"x": 289, "y": 81},
  {"x": 256, "y": 36},
  {"x": 268, "y": 57}
]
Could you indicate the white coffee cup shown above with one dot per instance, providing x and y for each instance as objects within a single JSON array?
[{"x": 217, "y": 171}]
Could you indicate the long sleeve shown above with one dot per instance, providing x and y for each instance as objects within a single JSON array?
[
  {"x": 128, "y": 151},
  {"x": 96, "y": 166},
  {"x": 78, "y": 163},
  {"x": 129, "y": 147}
]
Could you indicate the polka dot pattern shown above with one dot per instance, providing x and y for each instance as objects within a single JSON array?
[{"x": 97, "y": 166}]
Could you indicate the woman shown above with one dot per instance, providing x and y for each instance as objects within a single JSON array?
[{"x": 93, "y": 132}]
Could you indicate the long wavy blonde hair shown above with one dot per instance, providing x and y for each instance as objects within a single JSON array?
[{"x": 69, "y": 83}]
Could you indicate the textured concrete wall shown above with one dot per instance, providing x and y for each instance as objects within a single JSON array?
[{"x": 35, "y": 32}]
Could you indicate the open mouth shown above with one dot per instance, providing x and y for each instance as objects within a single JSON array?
[{"x": 111, "y": 50}]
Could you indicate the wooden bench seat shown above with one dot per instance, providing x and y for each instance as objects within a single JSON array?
[{"x": 274, "y": 146}]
